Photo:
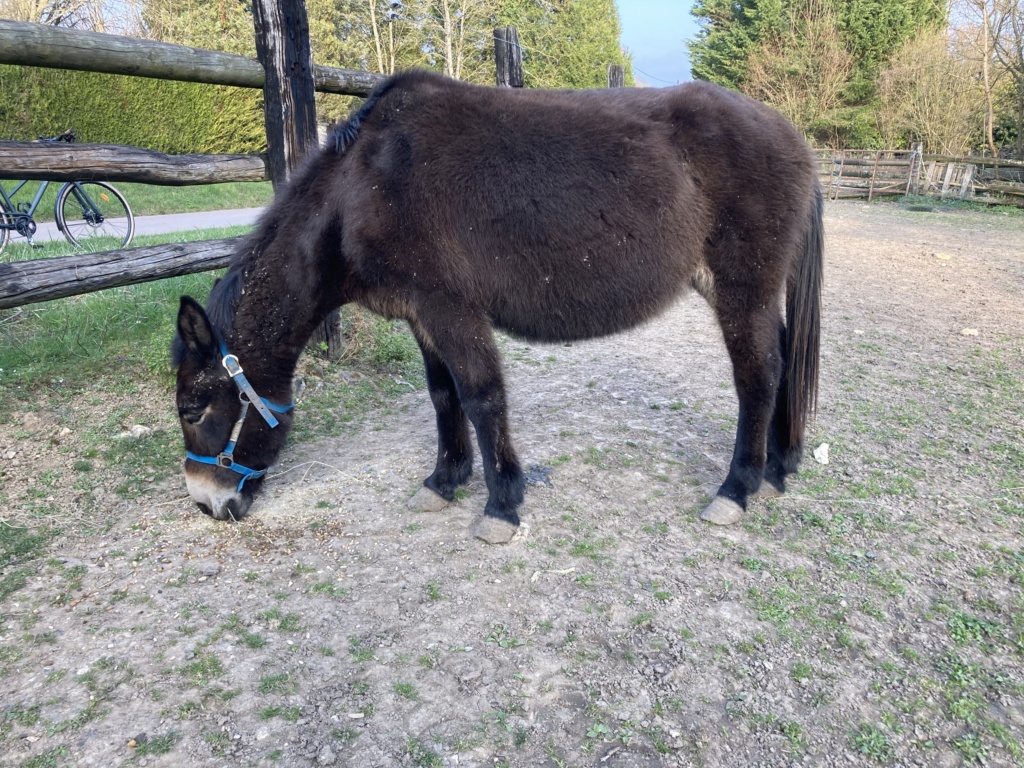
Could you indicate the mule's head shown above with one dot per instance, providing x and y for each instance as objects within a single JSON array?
[{"x": 229, "y": 442}]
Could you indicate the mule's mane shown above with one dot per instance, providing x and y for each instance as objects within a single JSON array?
[
  {"x": 344, "y": 134},
  {"x": 220, "y": 306}
]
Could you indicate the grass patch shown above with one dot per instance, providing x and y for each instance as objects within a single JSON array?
[
  {"x": 18, "y": 547},
  {"x": 407, "y": 691},
  {"x": 280, "y": 683},
  {"x": 109, "y": 335},
  {"x": 157, "y": 745},
  {"x": 872, "y": 742},
  {"x": 203, "y": 669}
]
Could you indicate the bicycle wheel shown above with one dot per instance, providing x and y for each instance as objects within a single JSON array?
[
  {"x": 5, "y": 221},
  {"x": 94, "y": 216}
]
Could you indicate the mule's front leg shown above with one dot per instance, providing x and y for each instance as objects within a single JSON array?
[
  {"x": 465, "y": 344},
  {"x": 454, "y": 449}
]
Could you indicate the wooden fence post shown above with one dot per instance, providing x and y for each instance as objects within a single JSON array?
[
  {"x": 289, "y": 99},
  {"x": 508, "y": 57},
  {"x": 616, "y": 76},
  {"x": 282, "y": 47}
]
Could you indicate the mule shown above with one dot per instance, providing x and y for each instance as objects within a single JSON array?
[{"x": 553, "y": 216}]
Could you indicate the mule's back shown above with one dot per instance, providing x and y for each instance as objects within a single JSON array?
[{"x": 562, "y": 214}]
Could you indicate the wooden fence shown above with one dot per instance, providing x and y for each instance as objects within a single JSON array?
[
  {"x": 284, "y": 70},
  {"x": 288, "y": 77},
  {"x": 879, "y": 173}
]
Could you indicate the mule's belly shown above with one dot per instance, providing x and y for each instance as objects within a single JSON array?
[{"x": 599, "y": 296}]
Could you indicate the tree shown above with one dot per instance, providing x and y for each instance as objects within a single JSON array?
[
  {"x": 458, "y": 36},
  {"x": 58, "y": 13},
  {"x": 930, "y": 94},
  {"x": 802, "y": 70},
  {"x": 1009, "y": 51},
  {"x": 740, "y": 39},
  {"x": 730, "y": 31},
  {"x": 981, "y": 39}
]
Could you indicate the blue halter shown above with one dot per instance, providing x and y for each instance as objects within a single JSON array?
[{"x": 248, "y": 396}]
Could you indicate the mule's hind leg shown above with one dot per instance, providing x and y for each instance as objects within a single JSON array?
[
  {"x": 454, "y": 449},
  {"x": 754, "y": 347},
  {"x": 465, "y": 343},
  {"x": 783, "y": 456}
]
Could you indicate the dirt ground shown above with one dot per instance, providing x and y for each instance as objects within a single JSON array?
[{"x": 874, "y": 615}]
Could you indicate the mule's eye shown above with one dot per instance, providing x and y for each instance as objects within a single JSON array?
[{"x": 192, "y": 414}]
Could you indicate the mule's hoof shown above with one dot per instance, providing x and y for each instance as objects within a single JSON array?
[
  {"x": 494, "y": 531},
  {"x": 768, "y": 491},
  {"x": 722, "y": 511},
  {"x": 426, "y": 500}
]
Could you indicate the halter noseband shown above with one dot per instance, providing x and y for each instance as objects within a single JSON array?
[{"x": 248, "y": 397}]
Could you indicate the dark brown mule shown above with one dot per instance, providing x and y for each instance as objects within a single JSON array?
[{"x": 551, "y": 215}]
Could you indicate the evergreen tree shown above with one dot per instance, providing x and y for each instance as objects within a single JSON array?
[
  {"x": 730, "y": 31},
  {"x": 567, "y": 43}
]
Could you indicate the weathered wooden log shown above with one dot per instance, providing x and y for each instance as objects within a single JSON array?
[
  {"x": 42, "y": 45},
  {"x": 289, "y": 101},
  {"x": 1003, "y": 188},
  {"x": 115, "y": 162},
  {"x": 881, "y": 163},
  {"x": 868, "y": 172},
  {"x": 347, "y": 82},
  {"x": 976, "y": 160},
  {"x": 616, "y": 76},
  {"x": 508, "y": 58},
  {"x": 29, "y": 282},
  {"x": 284, "y": 50}
]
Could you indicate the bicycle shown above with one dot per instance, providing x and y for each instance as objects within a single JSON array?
[{"x": 86, "y": 212}]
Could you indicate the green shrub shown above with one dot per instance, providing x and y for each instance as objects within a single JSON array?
[{"x": 162, "y": 115}]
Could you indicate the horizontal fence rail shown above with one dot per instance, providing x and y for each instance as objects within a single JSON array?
[
  {"x": 40, "y": 45},
  {"x": 114, "y": 162},
  {"x": 30, "y": 282}
]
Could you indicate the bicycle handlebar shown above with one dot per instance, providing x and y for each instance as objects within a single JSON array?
[{"x": 68, "y": 136}]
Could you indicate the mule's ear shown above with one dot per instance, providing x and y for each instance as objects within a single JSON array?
[{"x": 195, "y": 330}]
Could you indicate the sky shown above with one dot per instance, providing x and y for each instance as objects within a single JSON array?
[{"x": 655, "y": 32}]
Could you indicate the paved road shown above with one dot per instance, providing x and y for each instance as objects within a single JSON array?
[{"x": 172, "y": 222}]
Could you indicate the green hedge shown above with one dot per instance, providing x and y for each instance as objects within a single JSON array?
[{"x": 161, "y": 115}]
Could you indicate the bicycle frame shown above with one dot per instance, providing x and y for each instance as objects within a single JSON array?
[{"x": 21, "y": 221}]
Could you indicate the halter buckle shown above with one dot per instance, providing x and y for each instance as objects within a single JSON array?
[
  {"x": 231, "y": 365},
  {"x": 225, "y": 460}
]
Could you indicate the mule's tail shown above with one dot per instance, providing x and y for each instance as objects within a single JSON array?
[{"x": 803, "y": 325}]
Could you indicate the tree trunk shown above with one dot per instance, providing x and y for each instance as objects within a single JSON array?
[{"x": 986, "y": 66}]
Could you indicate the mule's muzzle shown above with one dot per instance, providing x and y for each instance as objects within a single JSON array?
[
  {"x": 220, "y": 500},
  {"x": 232, "y": 509}
]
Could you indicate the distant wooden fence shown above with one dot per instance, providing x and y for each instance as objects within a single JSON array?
[{"x": 867, "y": 174}]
